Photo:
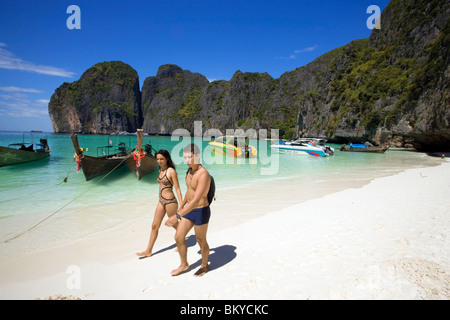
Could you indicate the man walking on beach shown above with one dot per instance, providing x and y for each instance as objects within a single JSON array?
[{"x": 194, "y": 212}]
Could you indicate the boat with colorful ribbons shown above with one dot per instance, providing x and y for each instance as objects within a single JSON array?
[
  {"x": 95, "y": 166},
  {"x": 142, "y": 161}
]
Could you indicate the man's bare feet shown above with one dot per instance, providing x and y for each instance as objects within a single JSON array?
[
  {"x": 200, "y": 272},
  {"x": 144, "y": 254},
  {"x": 181, "y": 269}
]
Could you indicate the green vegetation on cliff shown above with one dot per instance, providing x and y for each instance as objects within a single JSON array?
[
  {"x": 393, "y": 83},
  {"x": 106, "y": 98}
]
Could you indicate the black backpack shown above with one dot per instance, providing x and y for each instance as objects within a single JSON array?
[{"x": 212, "y": 188}]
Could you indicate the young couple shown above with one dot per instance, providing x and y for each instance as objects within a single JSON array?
[{"x": 194, "y": 210}]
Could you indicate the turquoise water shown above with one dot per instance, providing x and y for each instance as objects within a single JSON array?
[{"x": 37, "y": 188}]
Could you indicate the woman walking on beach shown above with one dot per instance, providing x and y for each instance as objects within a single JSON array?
[{"x": 167, "y": 203}]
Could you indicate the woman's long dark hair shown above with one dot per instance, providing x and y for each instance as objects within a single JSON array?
[{"x": 166, "y": 155}]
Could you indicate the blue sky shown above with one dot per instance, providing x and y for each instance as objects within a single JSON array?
[{"x": 38, "y": 52}]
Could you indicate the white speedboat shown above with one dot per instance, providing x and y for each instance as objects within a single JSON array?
[{"x": 305, "y": 146}]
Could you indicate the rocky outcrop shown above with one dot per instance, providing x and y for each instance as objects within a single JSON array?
[
  {"x": 170, "y": 100},
  {"x": 105, "y": 99},
  {"x": 414, "y": 101},
  {"x": 392, "y": 87}
]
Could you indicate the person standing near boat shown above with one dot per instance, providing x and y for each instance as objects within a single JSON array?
[
  {"x": 167, "y": 178},
  {"x": 194, "y": 211}
]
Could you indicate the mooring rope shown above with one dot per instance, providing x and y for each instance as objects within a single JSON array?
[
  {"x": 45, "y": 189},
  {"x": 68, "y": 171},
  {"x": 51, "y": 215}
]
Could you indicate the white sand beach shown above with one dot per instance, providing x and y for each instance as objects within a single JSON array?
[{"x": 387, "y": 239}]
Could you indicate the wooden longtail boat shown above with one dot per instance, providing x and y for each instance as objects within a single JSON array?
[
  {"x": 95, "y": 166},
  {"x": 363, "y": 148},
  {"x": 142, "y": 162},
  {"x": 23, "y": 152}
]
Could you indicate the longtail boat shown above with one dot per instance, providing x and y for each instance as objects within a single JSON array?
[
  {"x": 142, "y": 162},
  {"x": 23, "y": 152},
  {"x": 352, "y": 147},
  {"x": 95, "y": 166}
]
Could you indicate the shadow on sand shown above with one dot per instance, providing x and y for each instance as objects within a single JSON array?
[
  {"x": 190, "y": 242},
  {"x": 218, "y": 257}
]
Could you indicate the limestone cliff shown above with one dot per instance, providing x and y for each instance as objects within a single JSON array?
[
  {"x": 170, "y": 100},
  {"x": 105, "y": 99},
  {"x": 393, "y": 86}
]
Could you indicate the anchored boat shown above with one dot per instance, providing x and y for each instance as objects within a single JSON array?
[
  {"x": 142, "y": 162},
  {"x": 233, "y": 146},
  {"x": 23, "y": 152},
  {"x": 352, "y": 147},
  {"x": 96, "y": 166},
  {"x": 305, "y": 146}
]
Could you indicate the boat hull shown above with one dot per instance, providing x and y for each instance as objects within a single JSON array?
[
  {"x": 315, "y": 152},
  {"x": 147, "y": 165},
  {"x": 364, "y": 150},
  {"x": 142, "y": 163},
  {"x": 95, "y": 166},
  {"x": 232, "y": 151},
  {"x": 11, "y": 156},
  {"x": 305, "y": 146}
]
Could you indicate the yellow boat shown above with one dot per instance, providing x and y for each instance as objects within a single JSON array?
[{"x": 233, "y": 146}]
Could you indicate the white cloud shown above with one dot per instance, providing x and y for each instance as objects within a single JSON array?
[
  {"x": 294, "y": 55},
  {"x": 20, "y": 109},
  {"x": 308, "y": 49},
  {"x": 9, "y": 61},
  {"x": 42, "y": 102},
  {"x": 16, "y": 102},
  {"x": 17, "y": 89}
]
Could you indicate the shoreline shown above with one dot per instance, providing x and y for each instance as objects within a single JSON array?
[
  {"x": 285, "y": 243},
  {"x": 239, "y": 204}
]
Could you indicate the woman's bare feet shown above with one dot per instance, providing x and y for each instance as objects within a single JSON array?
[{"x": 181, "y": 269}]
